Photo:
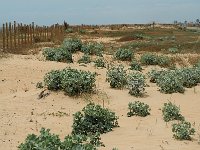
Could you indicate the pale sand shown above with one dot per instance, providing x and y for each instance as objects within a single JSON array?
[{"x": 21, "y": 113}]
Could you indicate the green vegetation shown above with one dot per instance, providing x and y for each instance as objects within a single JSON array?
[
  {"x": 72, "y": 44},
  {"x": 154, "y": 75},
  {"x": 72, "y": 81},
  {"x": 124, "y": 54},
  {"x": 136, "y": 83},
  {"x": 94, "y": 119},
  {"x": 138, "y": 108},
  {"x": 152, "y": 59},
  {"x": 183, "y": 130},
  {"x": 116, "y": 76},
  {"x": 171, "y": 112},
  {"x": 48, "y": 141},
  {"x": 93, "y": 48},
  {"x": 84, "y": 59},
  {"x": 135, "y": 66},
  {"x": 99, "y": 62},
  {"x": 58, "y": 54}
]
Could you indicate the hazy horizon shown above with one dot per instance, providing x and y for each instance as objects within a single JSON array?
[{"x": 46, "y": 12}]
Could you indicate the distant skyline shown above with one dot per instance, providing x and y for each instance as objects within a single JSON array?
[{"x": 46, "y": 12}]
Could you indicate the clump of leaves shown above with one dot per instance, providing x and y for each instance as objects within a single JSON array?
[
  {"x": 45, "y": 140},
  {"x": 53, "y": 80},
  {"x": 99, "y": 62},
  {"x": 39, "y": 85},
  {"x": 124, "y": 54},
  {"x": 58, "y": 54},
  {"x": 93, "y": 119},
  {"x": 135, "y": 66},
  {"x": 149, "y": 59},
  {"x": 75, "y": 82},
  {"x": 82, "y": 142},
  {"x": 173, "y": 50},
  {"x": 85, "y": 59},
  {"x": 189, "y": 76},
  {"x": 48, "y": 141},
  {"x": 93, "y": 48},
  {"x": 136, "y": 83},
  {"x": 164, "y": 61},
  {"x": 169, "y": 82},
  {"x": 72, "y": 81},
  {"x": 138, "y": 108},
  {"x": 72, "y": 44},
  {"x": 183, "y": 130},
  {"x": 116, "y": 76},
  {"x": 154, "y": 75},
  {"x": 171, "y": 112}
]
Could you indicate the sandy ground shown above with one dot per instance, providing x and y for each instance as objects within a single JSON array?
[{"x": 22, "y": 113}]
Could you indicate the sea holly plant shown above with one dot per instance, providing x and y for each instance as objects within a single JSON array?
[
  {"x": 93, "y": 48},
  {"x": 94, "y": 119},
  {"x": 134, "y": 65},
  {"x": 170, "y": 82},
  {"x": 52, "y": 80},
  {"x": 58, "y": 54},
  {"x": 171, "y": 112},
  {"x": 49, "y": 141},
  {"x": 183, "y": 130},
  {"x": 72, "y": 44},
  {"x": 72, "y": 81},
  {"x": 117, "y": 77},
  {"x": 84, "y": 59},
  {"x": 136, "y": 83},
  {"x": 154, "y": 75},
  {"x": 138, "y": 108},
  {"x": 123, "y": 54},
  {"x": 99, "y": 62},
  {"x": 75, "y": 82}
]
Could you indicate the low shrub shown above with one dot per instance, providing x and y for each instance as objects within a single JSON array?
[
  {"x": 135, "y": 66},
  {"x": 53, "y": 79},
  {"x": 58, "y": 54},
  {"x": 189, "y": 76},
  {"x": 99, "y": 62},
  {"x": 72, "y": 81},
  {"x": 183, "y": 130},
  {"x": 93, "y": 48},
  {"x": 171, "y": 112},
  {"x": 72, "y": 44},
  {"x": 116, "y": 76},
  {"x": 138, "y": 108},
  {"x": 149, "y": 59},
  {"x": 136, "y": 83},
  {"x": 164, "y": 61},
  {"x": 75, "y": 82},
  {"x": 45, "y": 140},
  {"x": 154, "y": 75},
  {"x": 152, "y": 59},
  {"x": 123, "y": 54},
  {"x": 173, "y": 50},
  {"x": 94, "y": 119},
  {"x": 48, "y": 141},
  {"x": 170, "y": 82},
  {"x": 84, "y": 59}
]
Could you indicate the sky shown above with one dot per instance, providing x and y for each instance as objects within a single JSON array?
[{"x": 46, "y": 12}]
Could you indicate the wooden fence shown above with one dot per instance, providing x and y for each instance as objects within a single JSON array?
[{"x": 16, "y": 36}]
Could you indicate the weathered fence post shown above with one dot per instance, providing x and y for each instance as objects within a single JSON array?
[
  {"x": 4, "y": 37},
  {"x": 15, "y": 43},
  {"x": 7, "y": 42}
]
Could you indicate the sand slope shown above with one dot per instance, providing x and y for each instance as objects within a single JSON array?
[{"x": 22, "y": 113}]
